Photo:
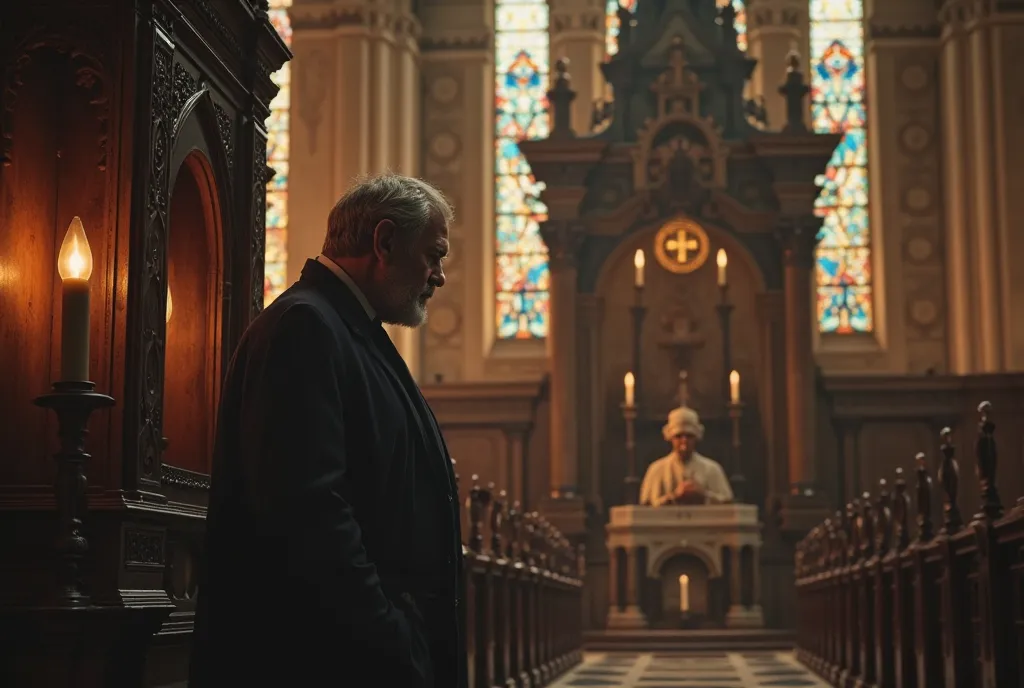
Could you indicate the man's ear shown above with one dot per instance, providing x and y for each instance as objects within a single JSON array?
[{"x": 384, "y": 237}]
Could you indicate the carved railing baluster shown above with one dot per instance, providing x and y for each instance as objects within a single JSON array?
[
  {"x": 475, "y": 506},
  {"x": 925, "y": 527},
  {"x": 985, "y": 452},
  {"x": 882, "y": 518},
  {"x": 949, "y": 478},
  {"x": 497, "y": 523},
  {"x": 901, "y": 514},
  {"x": 867, "y": 527}
]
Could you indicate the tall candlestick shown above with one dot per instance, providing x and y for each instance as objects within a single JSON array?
[
  {"x": 723, "y": 261},
  {"x": 74, "y": 265},
  {"x": 632, "y": 482},
  {"x": 638, "y": 263},
  {"x": 734, "y": 387},
  {"x": 630, "y": 382},
  {"x": 684, "y": 593}
]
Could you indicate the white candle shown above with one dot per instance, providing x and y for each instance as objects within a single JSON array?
[
  {"x": 74, "y": 265},
  {"x": 684, "y": 593},
  {"x": 630, "y": 389},
  {"x": 638, "y": 263},
  {"x": 170, "y": 306},
  {"x": 722, "y": 261},
  {"x": 734, "y": 387}
]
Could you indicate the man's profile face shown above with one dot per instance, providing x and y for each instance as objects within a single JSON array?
[
  {"x": 412, "y": 271},
  {"x": 683, "y": 444}
]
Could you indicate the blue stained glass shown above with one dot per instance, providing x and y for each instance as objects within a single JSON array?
[
  {"x": 521, "y": 112},
  {"x": 843, "y": 274}
]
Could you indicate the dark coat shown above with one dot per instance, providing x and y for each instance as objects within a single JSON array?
[{"x": 333, "y": 555}]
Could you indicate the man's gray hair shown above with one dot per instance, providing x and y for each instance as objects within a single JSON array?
[{"x": 410, "y": 203}]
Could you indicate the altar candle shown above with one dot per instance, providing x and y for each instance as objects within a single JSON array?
[
  {"x": 74, "y": 265},
  {"x": 170, "y": 306},
  {"x": 684, "y": 593},
  {"x": 734, "y": 387},
  {"x": 638, "y": 263},
  {"x": 722, "y": 261},
  {"x": 630, "y": 389}
]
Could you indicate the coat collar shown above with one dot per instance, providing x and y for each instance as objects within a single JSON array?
[{"x": 345, "y": 302}]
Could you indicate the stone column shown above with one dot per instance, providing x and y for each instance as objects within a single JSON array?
[
  {"x": 955, "y": 189},
  {"x": 771, "y": 309},
  {"x": 630, "y": 616},
  {"x": 798, "y": 235},
  {"x": 578, "y": 34},
  {"x": 590, "y": 312},
  {"x": 457, "y": 149},
  {"x": 775, "y": 28},
  {"x": 404, "y": 153},
  {"x": 563, "y": 239},
  {"x": 329, "y": 117}
]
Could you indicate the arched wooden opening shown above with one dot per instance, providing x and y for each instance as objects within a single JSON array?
[{"x": 192, "y": 352}]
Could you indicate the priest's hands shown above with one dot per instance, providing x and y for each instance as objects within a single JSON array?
[{"x": 688, "y": 492}]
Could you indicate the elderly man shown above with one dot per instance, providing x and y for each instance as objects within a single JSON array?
[
  {"x": 684, "y": 476},
  {"x": 333, "y": 553}
]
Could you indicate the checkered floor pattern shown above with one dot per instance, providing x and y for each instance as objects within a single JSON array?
[{"x": 686, "y": 670}]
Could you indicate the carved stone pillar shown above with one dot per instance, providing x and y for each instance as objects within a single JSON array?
[
  {"x": 771, "y": 310},
  {"x": 457, "y": 148},
  {"x": 775, "y": 29},
  {"x": 798, "y": 236},
  {"x": 328, "y": 119},
  {"x": 578, "y": 34},
  {"x": 631, "y": 615},
  {"x": 589, "y": 312},
  {"x": 979, "y": 112},
  {"x": 563, "y": 239}
]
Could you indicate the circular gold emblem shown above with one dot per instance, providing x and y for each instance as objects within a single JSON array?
[{"x": 681, "y": 246}]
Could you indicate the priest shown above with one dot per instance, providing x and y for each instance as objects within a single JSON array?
[{"x": 684, "y": 476}]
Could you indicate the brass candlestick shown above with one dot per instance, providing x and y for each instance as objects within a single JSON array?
[
  {"x": 632, "y": 482},
  {"x": 73, "y": 403},
  {"x": 737, "y": 479}
]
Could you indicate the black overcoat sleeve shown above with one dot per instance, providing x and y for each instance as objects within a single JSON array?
[{"x": 298, "y": 489}]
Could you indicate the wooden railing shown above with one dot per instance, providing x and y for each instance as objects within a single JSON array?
[
  {"x": 523, "y": 594},
  {"x": 880, "y": 606}
]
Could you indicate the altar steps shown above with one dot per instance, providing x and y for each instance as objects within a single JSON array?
[{"x": 689, "y": 640}]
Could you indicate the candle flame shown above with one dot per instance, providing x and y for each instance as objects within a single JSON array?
[
  {"x": 630, "y": 380},
  {"x": 734, "y": 377},
  {"x": 74, "y": 261},
  {"x": 638, "y": 258},
  {"x": 721, "y": 258}
]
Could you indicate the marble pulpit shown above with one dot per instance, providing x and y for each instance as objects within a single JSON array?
[{"x": 722, "y": 541}]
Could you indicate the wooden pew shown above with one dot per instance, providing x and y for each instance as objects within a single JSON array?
[
  {"x": 523, "y": 594},
  {"x": 880, "y": 608}
]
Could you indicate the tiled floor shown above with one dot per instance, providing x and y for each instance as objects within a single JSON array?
[{"x": 703, "y": 670}]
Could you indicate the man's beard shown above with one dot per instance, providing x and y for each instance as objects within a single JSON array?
[{"x": 406, "y": 306}]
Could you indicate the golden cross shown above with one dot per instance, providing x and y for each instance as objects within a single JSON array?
[{"x": 682, "y": 245}]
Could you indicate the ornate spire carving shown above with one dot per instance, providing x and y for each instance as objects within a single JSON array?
[
  {"x": 678, "y": 88},
  {"x": 794, "y": 90},
  {"x": 561, "y": 96}
]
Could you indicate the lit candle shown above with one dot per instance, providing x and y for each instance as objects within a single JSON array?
[
  {"x": 684, "y": 593},
  {"x": 74, "y": 265},
  {"x": 630, "y": 389},
  {"x": 722, "y": 261},
  {"x": 170, "y": 305},
  {"x": 734, "y": 387},
  {"x": 638, "y": 262}
]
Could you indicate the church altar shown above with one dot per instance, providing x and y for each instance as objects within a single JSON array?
[{"x": 702, "y": 544}]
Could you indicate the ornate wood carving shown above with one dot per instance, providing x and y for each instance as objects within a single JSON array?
[
  {"x": 259, "y": 223},
  {"x": 224, "y": 126},
  {"x": 143, "y": 547},
  {"x": 90, "y": 75}
]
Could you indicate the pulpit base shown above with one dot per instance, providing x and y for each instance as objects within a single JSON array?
[
  {"x": 630, "y": 618},
  {"x": 739, "y": 616}
]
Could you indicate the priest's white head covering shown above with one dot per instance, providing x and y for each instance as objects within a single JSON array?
[{"x": 683, "y": 421}]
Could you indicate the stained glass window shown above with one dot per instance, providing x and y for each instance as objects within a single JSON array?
[
  {"x": 276, "y": 270},
  {"x": 521, "y": 112},
  {"x": 843, "y": 272}
]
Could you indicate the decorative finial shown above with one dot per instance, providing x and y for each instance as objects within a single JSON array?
[
  {"x": 985, "y": 451},
  {"x": 626, "y": 22},
  {"x": 925, "y": 528},
  {"x": 901, "y": 513},
  {"x": 794, "y": 91},
  {"x": 561, "y": 96},
  {"x": 949, "y": 478}
]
